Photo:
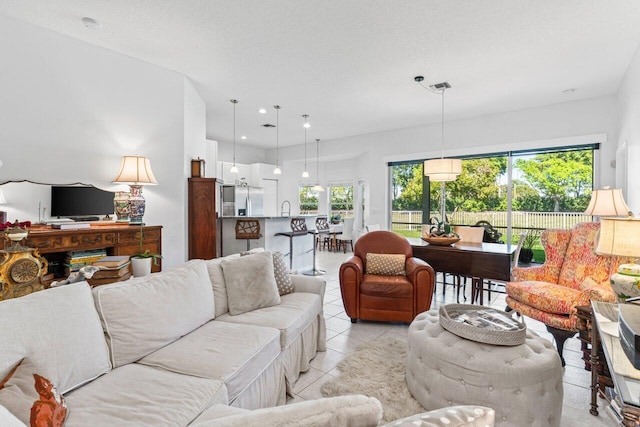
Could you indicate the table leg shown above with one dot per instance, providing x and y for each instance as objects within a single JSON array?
[
  {"x": 290, "y": 252},
  {"x": 595, "y": 364}
]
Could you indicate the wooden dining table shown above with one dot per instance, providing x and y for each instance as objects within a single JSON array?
[{"x": 480, "y": 261}]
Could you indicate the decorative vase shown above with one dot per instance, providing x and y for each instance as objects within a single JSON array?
[
  {"x": 626, "y": 282},
  {"x": 526, "y": 255},
  {"x": 141, "y": 266},
  {"x": 121, "y": 206},
  {"x": 136, "y": 204}
]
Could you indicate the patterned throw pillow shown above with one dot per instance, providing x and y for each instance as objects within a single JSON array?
[
  {"x": 386, "y": 264},
  {"x": 281, "y": 271}
]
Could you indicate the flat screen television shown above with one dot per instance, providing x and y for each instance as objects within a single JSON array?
[{"x": 77, "y": 201}]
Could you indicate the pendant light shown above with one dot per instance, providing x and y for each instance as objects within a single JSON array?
[
  {"x": 441, "y": 170},
  {"x": 234, "y": 168},
  {"x": 318, "y": 187},
  {"x": 277, "y": 170},
  {"x": 305, "y": 173}
]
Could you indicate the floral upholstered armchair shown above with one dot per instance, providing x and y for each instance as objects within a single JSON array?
[{"x": 572, "y": 275}]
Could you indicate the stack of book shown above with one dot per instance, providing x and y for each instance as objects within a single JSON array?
[
  {"x": 76, "y": 260},
  {"x": 112, "y": 269}
]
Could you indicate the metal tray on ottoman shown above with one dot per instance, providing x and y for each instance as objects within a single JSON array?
[{"x": 482, "y": 324}]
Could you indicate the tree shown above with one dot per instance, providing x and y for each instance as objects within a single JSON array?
[
  {"x": 476, "y": 189},
  {"x": 563, "y": 178},
  {"x": 407, "y": 187}
]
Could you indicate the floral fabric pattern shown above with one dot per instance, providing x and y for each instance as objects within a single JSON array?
[{"x": 572, "y": 275}]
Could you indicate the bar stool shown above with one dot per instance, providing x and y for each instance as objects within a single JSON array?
[
  {"x": 322, "y": 229},
  {"x": 248, "y": 229},
  {"x": 298, "y": 228}
]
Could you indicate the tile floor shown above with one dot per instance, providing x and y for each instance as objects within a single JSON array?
[{"x": 343, "y": 338}]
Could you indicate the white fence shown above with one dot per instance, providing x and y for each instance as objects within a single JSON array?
[{"x": 412, "y": 220}]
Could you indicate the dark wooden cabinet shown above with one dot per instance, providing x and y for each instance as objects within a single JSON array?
[{"x": 202, "y": 218}]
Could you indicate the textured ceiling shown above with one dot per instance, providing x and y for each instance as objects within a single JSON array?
[{"x": 350, "y": 64}]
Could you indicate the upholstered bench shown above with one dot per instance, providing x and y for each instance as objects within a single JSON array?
[{"x": 523, "y": 383}]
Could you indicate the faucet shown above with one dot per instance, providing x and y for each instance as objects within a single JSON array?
[{"x": 288, "y": 211}]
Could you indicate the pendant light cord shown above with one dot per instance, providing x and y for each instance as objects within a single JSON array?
[
  {"x": 234, "y": 102},
  {"x": 442, "y": 142},
  {"x": 318, "y": 161},
  {"x": 305, "y": 140},
  {"x": 277, "y": 107}
]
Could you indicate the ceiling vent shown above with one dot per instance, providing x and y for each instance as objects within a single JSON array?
[
  {"x": 268, "y": 125},
  {"x": 440, "y": 86}
]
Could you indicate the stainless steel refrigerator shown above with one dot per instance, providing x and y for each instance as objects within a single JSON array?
[{"x": 240, "y": 200}]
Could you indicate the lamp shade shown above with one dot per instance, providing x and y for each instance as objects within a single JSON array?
[
  {"x": 607, "y": 202},
  {"x": 442, "y": 170},
  {"x": 3, "y": 201},
  {"x": 135, "y": 170},
  {"x": 619, "y": 237}
]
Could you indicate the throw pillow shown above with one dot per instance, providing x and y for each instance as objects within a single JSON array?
[
  {"x": 251, "y": 283},
  {"x": 36, "y": 404},
  {"x": 280, "y": 271},
  {"x": 386, "y": 264}
]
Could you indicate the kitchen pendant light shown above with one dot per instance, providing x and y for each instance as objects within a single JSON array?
[
  {"x": 317, "y": 186},
  {"x": 441, "y": 170},
  {"x": 305, "y": 173},
  {"x": 277, "y": 170},
  {"x": 234, "y": 168}
]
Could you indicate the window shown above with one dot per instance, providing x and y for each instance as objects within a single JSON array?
[
  {"x": 308, "y": 200},
  {"x": 548, "y": 189},
  {"x": 341, "y": 200}
]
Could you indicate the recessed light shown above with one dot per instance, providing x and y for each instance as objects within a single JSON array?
[
  {"x": 569, "y": 91},
  {"x": 243, "y": 137},
  {"x": 262, "y": 111},
  {"x": 91, "y": 23}
]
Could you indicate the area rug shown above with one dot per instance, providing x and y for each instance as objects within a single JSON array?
[{"x": 377, "y": 369}]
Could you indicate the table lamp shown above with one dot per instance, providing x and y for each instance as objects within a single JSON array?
[
  {"x": 135, "y": 171},
  {"x": 607, "y": 202},
  {"x": 620, "y": 237}
]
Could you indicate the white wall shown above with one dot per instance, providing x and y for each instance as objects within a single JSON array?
[
  {"x": 629, "y": 132},
  {"x": 71, "y": 110},
  {"x": 559, "y": 124}
]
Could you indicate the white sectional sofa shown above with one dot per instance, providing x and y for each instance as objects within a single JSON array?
[
  {"x": 164, "y": 350},
  {"x": 158, "y": 350}
]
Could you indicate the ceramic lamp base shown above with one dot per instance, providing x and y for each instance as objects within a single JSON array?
[{"x": 626, "y": 283}]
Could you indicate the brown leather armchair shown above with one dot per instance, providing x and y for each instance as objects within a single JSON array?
[{"x": 387, "y": 298}]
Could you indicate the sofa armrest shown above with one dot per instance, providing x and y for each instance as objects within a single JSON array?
[
  {"x": 309, "y": 284},
  {"x": 423, "y": 277},
  {"x": 454, "y": 416},
  {"x": 353, "y": 411},
  {"x": 351, "y": 274}
]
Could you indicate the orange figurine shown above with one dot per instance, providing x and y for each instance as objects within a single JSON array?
[{"x": 50, "y": 410}]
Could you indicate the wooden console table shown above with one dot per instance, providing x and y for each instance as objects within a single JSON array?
[{"x": 116, "y": 239}]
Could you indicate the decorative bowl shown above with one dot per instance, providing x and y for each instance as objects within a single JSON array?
[{"x": 441, "y": 241}]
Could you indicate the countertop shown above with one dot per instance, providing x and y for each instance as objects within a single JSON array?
[{"x": 269, "y": 217}]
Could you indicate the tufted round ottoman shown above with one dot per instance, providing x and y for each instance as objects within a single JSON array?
[{"x": 522, "y": 383}]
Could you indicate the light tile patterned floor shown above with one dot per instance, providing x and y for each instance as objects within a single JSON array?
[{"x": 343, "y": 338}]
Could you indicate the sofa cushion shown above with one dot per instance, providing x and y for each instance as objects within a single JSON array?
[
  {"x": 250, "y": 282},
  {"x": 386, "y": 264},
  {"x": 136, "y": 395},
  {"x": 235, "y": 354},
  {"x": 548, "y": 297},
  {"x": 7, "y": 419},
  {"x": 353, "y": 411},
  {"x": 23, "y": 389},
  {"x": 144, "y": 314},
  {"x": 59, "y": 330},
  {"x": 294, "y": 313}
]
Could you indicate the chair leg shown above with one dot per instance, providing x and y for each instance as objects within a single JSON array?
[{"x": 560, "y": 335}]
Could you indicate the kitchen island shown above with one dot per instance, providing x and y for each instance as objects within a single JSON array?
[{"x": 302, "y": 257}]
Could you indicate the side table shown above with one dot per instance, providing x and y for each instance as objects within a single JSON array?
[{"x": 624, "y": 398}]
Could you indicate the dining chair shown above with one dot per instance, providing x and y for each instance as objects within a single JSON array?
[
  {"x": 373, "y": 227},
  {"x": 323, "y": 238},
  {"x": 346, "y": 237},
  {"x": 467, "y": 234}
]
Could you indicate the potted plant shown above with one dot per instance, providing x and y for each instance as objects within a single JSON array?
[
  {"x": 141, "y": 262},
  {"x": 526, "y": 252},
  {"x": 336, "y": 219}
]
